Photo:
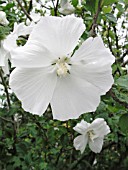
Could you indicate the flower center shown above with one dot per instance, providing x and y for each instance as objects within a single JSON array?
[
  {"x": 62, "y": 66},
  {"x": 91, "y": 134}
]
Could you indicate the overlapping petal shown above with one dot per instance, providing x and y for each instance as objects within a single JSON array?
[
  {"x": 34, "y": 87},
  {"x": 96, "y": 145},
  {"x": 100, "y": 127},
  {"x": 59, "y": 35},
  {"x": 33, "y": 54},
  {"x": 19, "y": 29},
  {"x": 98, "y": 75},
  {"x": 93, "y": 51},
  {"x": 74, "y": 96},
  {"x": 80, "y": 142},
  {"x": 81, "y": 127}
]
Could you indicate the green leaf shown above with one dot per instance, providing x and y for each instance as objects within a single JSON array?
[
  {"x": 107, "y": 9},
  {"x": 74, "y": 3},
  {"x": 123, "y": 123},
  {"x": 111, "y": 17},
  {"x": 123, "y": 81},
  {"x": 109, "y": 2},
  {"x": 90, "y": 4}
]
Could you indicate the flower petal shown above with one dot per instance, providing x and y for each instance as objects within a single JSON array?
[
  {"x": 59, "y": 35},
  {"x": 96, "y": 145},
  {"x": 96, "y": 74},
  {"x": 93, "y": 51},
  {"x": 3, "y": 54},
  {"x": 100, "y": 127},
  {"x": 34, "y": 87},
  {"x": 73, "y": 97},
  {"x": 96, "y": 61},
  {"x": 31, "y": 55},
  {"x": 20, "y": 29},
  {"x": 80, "y": 142},
  {"x": 81, "y": 127}
]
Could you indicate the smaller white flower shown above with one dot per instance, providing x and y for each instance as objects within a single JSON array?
[
  {"x": 91, "y": 133},
  {"x": 3, "y": 19},
  {"x": 66, "y": 7}
]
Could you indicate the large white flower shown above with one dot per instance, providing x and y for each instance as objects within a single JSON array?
[
  {"x": 93, "y": 134},
  {"x": 48, "y": 72},
  {"x": 9, "y": 44},
  {"x": 3, "y": 19}
]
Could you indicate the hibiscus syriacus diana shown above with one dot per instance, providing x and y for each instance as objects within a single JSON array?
[
  {"x": 48, "y": 72},
  {"x": 93, "y": 134},
  {"x": 9, "y": 43}
]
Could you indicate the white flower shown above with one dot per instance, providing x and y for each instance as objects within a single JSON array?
[
  {"x": 48, "y": 72},
  {"x": 35, "y": 17},
  {"x": 93, "y": 134},
  {"x": 126, "y": 59},
  {"x": 3, "y": 19},
  {"x": 66, "y": 7},
  {"x": 9, "y": 44}
]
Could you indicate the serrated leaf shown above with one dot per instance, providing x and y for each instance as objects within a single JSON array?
[
  {"x": 111, "y": 17},
  {"x": 123, "y": 123}
]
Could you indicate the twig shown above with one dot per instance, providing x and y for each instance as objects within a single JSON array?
[
  {"x": 45, "y": 7},
  {"x": 94, "y": 24},
  {"x": 5, "y": 88},
  {"x": 122, "y": 57},
  {"x": 74, "y": 165},
  {"x": 7, "y": 120},
  {"x": 116, "y": 37},
  {"x": 56, "y": 8},
  {"x": 116, "y": 99},
  {"x": 126, "y": 62},
  {"x": 24, "y": 10}
]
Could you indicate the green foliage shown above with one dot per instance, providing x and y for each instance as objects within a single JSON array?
[
  {"x": 110, "y": 17},
  {"x": 123, "y": 123},
  {"x": 74, "y": 3},
  {"x": 31, "y": 142}
]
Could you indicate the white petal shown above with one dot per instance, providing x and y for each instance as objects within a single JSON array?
[
  {"x": 10, "y": 42},
  {"x": 80, "y": 142},
  {"x": 93, "y": 50},
  {"x": 97, "y": 61},
  {"x": 5, "y": 68},
  {"x": 81, "y": 127},
  {"x": 100, "y": 127},
  {"x": 59, "y": 35},
  {"x": 31, "y": 55},
  {"x": 73, "y": 97},
  {"x": 96, "y": 145},
  {"x": 20, "y": 29},
  {"x": 98, "y": 75},
  {"x": 3, "y": 54},
  {"x": 34, "y": 87}
]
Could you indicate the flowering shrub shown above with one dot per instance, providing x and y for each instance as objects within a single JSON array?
[{"x": 64, "y": 85}]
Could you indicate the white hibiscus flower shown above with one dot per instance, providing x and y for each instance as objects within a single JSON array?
[
  {"x": 48, "y": 72},
  {"x": 3, "y": 19},
  {"x": 66, "y": 7},
  {"x": 9, "y": 44},
  {"x": 93, "y": 134}
]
